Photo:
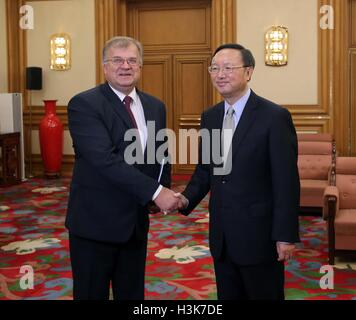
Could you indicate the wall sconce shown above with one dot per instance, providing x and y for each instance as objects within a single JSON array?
[
  {"x": 276, "y": 41},
  {"x": 60, "y": 52}
]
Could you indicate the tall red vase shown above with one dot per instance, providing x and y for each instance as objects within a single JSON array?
[{"x": 51, "y": 140}]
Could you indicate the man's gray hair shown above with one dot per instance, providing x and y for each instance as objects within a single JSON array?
[{"x": 123, "y": 42}]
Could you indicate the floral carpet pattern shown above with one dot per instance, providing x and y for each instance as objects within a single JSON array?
[{"x": 179, "y": 264}]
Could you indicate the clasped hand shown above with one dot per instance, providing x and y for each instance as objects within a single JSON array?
[{"x": 168, "y": 200}]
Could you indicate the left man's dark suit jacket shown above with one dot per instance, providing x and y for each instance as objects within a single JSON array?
[
  {"x": 257, "y": 203},
  {"x": 108, "y": 197}
]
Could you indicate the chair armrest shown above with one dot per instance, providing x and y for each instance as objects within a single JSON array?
[
  {"x": 331, "y": 202},
  {"x": 332, "y": 175}
]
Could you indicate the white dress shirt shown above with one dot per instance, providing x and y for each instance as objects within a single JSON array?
[
  {"x": 238, "y": 106},
  {"x": 139, "y": 115}
]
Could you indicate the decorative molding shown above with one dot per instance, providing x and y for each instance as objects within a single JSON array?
[
  {"x": 38, "y": 169},
  {"x": 223, "y": 28},
  {"x": 311, "y": 125},
  {"x": 311, "y": 109},
  {"x": 111, "y": 19},
  {"x": 353, "y": 23},
  {"x": 324, "y": 107},
  {"x": 223, "y": 22},
  {"x": 106, "y": 22},
  {"x": 37, "y": 116},
  {"x": 202, "y": 41},
  {"x": 16, "y": 48},
  {"x": 164, "y": 61},
  {"x": 333, "y": 71},
  {"x": 353, "y": 98},
  {"x": 180, "y": 61},
  {"x": 338, "y": 88}
]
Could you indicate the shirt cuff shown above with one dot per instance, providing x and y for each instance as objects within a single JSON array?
[
  {"x": 155, "y": 195},
  {"x": 187, "y": 205}
]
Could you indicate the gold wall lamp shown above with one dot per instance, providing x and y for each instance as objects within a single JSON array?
[
  {"x": 60, "y": 52},
  {"x": 276, "y": 46}
]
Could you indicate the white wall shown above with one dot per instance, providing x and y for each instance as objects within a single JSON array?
[
  {"x": 76, "y": 18},
  {"x": 296, "y": 83},
  {"x": 3, "y": 49}
]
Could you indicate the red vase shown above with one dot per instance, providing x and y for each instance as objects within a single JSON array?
[{"x": 51, "y": 140}]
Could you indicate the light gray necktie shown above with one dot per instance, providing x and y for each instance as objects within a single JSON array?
[{"x": 228, "y": 132}]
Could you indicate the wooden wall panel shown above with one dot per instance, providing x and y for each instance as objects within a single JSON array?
[
  {"x": 311, "y": 125},
  {"x": 353, "y": 101},
  {"x": 193, "y": 94},
  {"x": 353, "y": 23},
  {"x": 106, "y": 25},
  {"x": 160, "y": 69},
  {"x": 16, "y": 45},
  {"x": 173, "y": 25},
  {"x": 331, "y": 114},
  {"x": 156, "y": 79},
  {"x": 178, "y": 32},
  {"x": 318, "y": 117},
  {"x": 340, "y": 69}
]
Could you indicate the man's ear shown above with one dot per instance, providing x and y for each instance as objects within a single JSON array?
[{"x": 249, "y": 71}]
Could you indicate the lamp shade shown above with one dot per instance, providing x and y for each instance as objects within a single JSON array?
[{"x": 33, "y": 78}]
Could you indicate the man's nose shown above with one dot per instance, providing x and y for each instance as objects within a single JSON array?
[
  {"x": 221, "y": 74},
  {"x": 125, "y": 65}
]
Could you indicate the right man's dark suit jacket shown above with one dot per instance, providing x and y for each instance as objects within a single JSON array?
[
  {"x": 108, "y": 197},
  {"x": 257, "y": 203}
]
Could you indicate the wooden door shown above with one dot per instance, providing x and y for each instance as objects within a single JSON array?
[{"x": 176, "y": 36}]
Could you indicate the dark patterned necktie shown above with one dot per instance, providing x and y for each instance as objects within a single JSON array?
[{"x": 127, "y": 102}]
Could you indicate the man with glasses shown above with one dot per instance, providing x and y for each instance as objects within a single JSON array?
[
  {"x": 107, "y": 214},
  {"x": 254, "y": 206}
]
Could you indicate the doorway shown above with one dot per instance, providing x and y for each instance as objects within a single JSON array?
[{"x": 176, "y": 36}]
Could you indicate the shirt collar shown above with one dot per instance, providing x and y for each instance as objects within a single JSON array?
[
  {"x": 240, "y": 104},
  {"x": 133, "y": 94}
]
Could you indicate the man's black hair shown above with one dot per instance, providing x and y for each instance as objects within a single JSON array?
[{"x": 247, "y": 56}]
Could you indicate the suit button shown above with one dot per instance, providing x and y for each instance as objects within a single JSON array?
[{"x": 223, "y": 181}]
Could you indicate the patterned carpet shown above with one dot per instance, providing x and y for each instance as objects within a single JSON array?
[{"x": 179, "y": 265}]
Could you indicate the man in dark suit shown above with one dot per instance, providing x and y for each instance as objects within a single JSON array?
[
  {"x": 254, "y": 203},
  {"x": 107, "y": 213}
]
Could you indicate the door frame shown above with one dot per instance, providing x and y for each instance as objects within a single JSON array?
[{"x": 111, "y": 20}]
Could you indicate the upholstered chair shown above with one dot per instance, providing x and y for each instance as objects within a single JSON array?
[
  {"x": 340, "y": 208},
  {"x": 316, "y": 162}
]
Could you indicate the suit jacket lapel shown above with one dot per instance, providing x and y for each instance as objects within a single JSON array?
[
  {"x": 117, "y": 104},
  {"x": 217, "y": 117},
  {"x": 147, "y": 107},
  {"x": 149, "y": 116},
  {"x": 247, "y": 118},
  {"x": 215, "y": 121}
]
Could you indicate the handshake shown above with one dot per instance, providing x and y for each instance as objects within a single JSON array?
[{"x": 167, "y": 200}]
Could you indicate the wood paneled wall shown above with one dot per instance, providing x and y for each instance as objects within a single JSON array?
[
  {"x": 337, "y": 52},
  {"x": 352, "y": 54}
]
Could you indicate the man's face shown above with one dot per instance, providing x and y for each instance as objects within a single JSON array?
[
  {"x": 123, "y": 77},
  {"x": 232, "y": 83}
]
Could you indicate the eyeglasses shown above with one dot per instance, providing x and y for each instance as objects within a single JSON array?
[
  {"x": 224, "y": 69},
  {"x": 118, "y": 62}
]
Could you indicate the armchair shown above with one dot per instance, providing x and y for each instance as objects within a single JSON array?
[
  {"x": 316, "y": 162},
  {"x": 340, "y": 208}
]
